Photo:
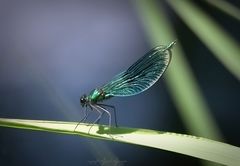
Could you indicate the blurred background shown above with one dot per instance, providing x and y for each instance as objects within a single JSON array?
[{"x": 52, "y": 52}]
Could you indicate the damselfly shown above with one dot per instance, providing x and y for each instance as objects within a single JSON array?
[{"x": 136, "y": 79}]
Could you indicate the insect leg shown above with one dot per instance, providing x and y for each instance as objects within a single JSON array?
[
  {"x": 86, "y": 113},
  {"x": 97, "y": 121},
  {"x": 114, "y": 111},
  {"x": 98, "y": 118},
  {"x": 105, "y": 110},
  {"x": 100, "y": 115},
  {"x": 96, "y": 106}
]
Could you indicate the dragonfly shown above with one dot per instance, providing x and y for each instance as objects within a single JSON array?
[{"x": 136, "y": 79}]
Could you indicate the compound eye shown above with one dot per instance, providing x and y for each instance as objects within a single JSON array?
[{"x": 82, "y": 100}]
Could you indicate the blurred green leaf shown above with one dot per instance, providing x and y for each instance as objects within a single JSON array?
[
  {"x": 185, "y": 144},
  {"x": 223, "y": 46},
  {"x": 180, "y": 79},
  {"x": 226, "y": 7}
]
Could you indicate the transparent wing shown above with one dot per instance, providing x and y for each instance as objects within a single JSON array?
[{"x": 142, "y": 74}]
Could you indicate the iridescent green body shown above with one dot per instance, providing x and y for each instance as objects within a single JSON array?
[
  {"x": 98, "y": 95},
  {"x": 136, "y": 79}
]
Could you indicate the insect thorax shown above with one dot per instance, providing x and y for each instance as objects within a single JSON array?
[{"x": 98, "y": 95}]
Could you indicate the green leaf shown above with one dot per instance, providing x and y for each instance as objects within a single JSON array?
[
  {"x": 226, "y": 7},
  {"x": 180, "y": 143},
  {"x": 182, "y": 84},
  {"x": 219, "y": 41}
]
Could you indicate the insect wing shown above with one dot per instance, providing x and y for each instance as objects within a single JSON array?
[{"x": 141, "y": 75}]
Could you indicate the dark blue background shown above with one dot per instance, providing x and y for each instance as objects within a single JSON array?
[{"x": 52, "y": 52}]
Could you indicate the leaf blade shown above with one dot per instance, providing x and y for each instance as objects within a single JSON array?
[{"x": 180, "y": 143}]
